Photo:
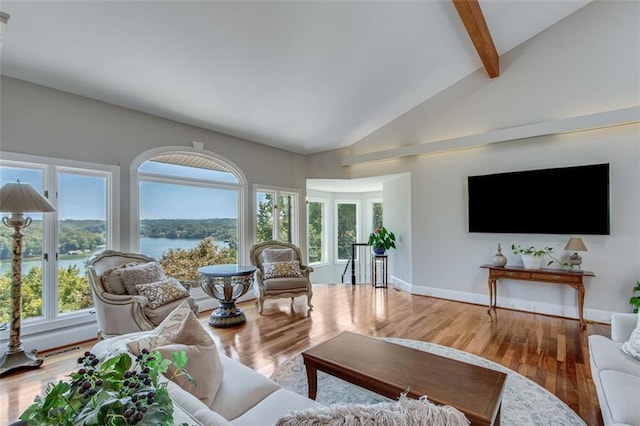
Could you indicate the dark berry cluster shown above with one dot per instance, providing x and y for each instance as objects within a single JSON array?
[{"x": 86, "y": 380}]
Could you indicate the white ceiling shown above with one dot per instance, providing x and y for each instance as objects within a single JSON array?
[{"x": 304, "y": 76}]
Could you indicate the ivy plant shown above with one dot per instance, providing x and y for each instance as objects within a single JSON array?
[{"x": 635, "y": 300}]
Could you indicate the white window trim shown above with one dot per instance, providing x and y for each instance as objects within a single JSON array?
[
  {"x": 358, "y": 204},
  {"x": 134, "y": 217},
  {"x": 51, "y": 322},
  {"x": 325, "y": 230},
  {"x": 278, "y": 191}
]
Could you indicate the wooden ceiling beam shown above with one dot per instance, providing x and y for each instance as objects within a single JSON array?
[{"x": 473, "y": 20}]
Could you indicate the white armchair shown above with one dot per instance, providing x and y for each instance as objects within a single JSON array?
[
  {"x": 274, "y": 282},
  {"x": 117, "y": 311}
]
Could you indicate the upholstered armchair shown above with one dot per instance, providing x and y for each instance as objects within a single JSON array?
[
  {"x": 280, "y": 272},
  {"x": 131, "y": 293}
]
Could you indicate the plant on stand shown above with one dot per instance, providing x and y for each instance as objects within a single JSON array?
[{"x": 382, "y": 240}]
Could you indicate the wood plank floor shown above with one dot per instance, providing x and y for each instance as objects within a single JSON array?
[{"x": 548, "y": 350}]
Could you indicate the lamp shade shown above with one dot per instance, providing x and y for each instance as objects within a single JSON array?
[
  {"x": 575, "y": 244},
  {"x": 17, "y": 197}
]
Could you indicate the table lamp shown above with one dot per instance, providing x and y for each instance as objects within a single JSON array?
[
  {"x": 18, "y": 198},
  {"x": 575, "y": 245}
]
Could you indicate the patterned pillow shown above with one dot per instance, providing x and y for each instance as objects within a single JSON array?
[
  {"x": 160, "y": 335},
  {"x": 277, "y": 255},
  {"x": 632, "y": 346},
  {"x": 141, "y": 274},
  {"x": 290, "y": 269},
  {"x": 111, "y": 279},
  {"x": 160, "y": 293}
]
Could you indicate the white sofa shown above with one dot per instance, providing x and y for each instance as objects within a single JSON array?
[
  {"x": 245, "y": 396},
  {"x": 616, "y": 375}
]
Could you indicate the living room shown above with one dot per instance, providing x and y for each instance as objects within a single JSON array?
[{"x": 568, "y": 71}]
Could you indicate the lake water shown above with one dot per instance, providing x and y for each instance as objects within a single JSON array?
[{"x": 153, "y": 247}]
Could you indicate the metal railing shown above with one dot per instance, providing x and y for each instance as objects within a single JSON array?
[{"x": 360, "y": 264}]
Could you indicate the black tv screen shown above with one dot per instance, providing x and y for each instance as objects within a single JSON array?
[{"x": 566, "y": 200}]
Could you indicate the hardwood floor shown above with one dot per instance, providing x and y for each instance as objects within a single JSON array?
[{"x": 548, "y": 350}]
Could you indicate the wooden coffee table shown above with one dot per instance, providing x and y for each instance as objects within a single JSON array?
[{"x": 390, "y": 369}]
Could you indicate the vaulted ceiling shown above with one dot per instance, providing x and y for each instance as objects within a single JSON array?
[{"x": 303, "y": 76}]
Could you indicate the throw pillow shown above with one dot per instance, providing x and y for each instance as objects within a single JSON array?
[
  {"x": 111, "y": 279},
  {"x": 277, "y": 255},
  {"x": 162, "y": 292},
  {"x": 203, "y": 360},
  {"x": 632, "y": 346},
  {"x": 404, "y": 412},
  {"x": 159, "y": 335},
  {"x": 141, "y": 274},
  {"x": 282, "y": 269}
]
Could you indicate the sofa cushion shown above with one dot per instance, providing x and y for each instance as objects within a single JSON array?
[
  {"x": 203, "y": 361},
  {"x": 274, "y": 406},
  {"x": 620, "y": 403},
  {"x": 157, "y": 315},
  {"x": 161, "y": 292},
  {"x": 606, "y": 355},
  {"x": 239, "y": 380},
  {"x": 277, "y": 255},
  {"x": 632, "y": 346},
  {"x": 196, "y": 410},
  {"x": 141, "y": 274},
  {"x": 404, "y": 412},
  {"x": 289, "y": 268},
  {"x": 285, "y": 284}
]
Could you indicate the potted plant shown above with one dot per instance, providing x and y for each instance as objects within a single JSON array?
[
  {"x": 382, "y": 240},
  {"x": 532, "y": 257},
  {"x": 635, "y": 300},
  {"x": 118, "y": 391}
]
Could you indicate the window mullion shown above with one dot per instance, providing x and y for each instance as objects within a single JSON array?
[{"x": 50, "y": 247}]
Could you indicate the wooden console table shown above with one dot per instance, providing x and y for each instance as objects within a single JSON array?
[{"x": 555, "y": 276}]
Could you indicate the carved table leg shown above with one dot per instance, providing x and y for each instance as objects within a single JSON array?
[
  {"x": 581, "y": 292},
  {"x": 493, "y": 297}
]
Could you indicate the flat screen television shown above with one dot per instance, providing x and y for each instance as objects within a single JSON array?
[{"x": 566, "y": 200}]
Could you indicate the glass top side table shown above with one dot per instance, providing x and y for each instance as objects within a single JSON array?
[{"x": 226, "y": 283}]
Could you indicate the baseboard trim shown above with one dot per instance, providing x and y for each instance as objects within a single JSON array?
[{"x": 564, "y": 311}]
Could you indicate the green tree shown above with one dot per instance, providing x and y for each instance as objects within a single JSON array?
[
  {"x": 347, "y": 229},
  {"x": 377, "y": 216},
  {"x": 264, "y": 230},
  {"x": 73, "y": 290},
  {"x": 314, "y": 229},
  {"x": 183, "y": 264}
]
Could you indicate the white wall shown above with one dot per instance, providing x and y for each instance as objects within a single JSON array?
[
  {"x": 397, "y": 216},
  {"x": 568, "y": 70}
]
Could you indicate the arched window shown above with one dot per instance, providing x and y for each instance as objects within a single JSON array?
[{"x": 189, "y": 204}]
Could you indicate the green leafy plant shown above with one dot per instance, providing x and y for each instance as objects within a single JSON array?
[
  {"x": 635, "y": 300},
  {"x": 118, "y": 391},
  {"x": 382, "y": 238}
]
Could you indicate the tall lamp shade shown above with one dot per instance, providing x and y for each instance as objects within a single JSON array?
[
  {"x": 575, "y": 245},
  {"x": 18, "y": 198}
]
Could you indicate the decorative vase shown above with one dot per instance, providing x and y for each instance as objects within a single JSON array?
[
  {"x": 531, "y": 262},
  {"x": 379, "y": 250},
  {"x": 499, "y": 259}
]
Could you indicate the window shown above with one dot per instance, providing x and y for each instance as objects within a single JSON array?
[
  {"x": 347, "y": 227},
  {"x": 276, "y": 221},
  {"x": 55, "y": 291},
  {"x": 189, "y": 207},
  {"x": 316, "y": 231},
  {"x": 376, "y": 215}
]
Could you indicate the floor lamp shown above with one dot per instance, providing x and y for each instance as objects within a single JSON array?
[{"x": 19, "y": 198}]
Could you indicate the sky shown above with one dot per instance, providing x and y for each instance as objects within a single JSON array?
[{"x": 83, "y": 197}]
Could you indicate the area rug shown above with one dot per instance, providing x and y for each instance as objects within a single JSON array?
[{"x": 524, "y": 402}]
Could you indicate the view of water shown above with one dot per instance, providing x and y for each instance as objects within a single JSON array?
[{"x": 153, "y": 247}]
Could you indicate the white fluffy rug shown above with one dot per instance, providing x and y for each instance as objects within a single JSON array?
[{"x": 523, "y": 402}]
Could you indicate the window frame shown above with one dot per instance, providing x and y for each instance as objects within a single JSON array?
[
  {"x": 336, "y": 221},
  {"x": 197, "y": 150},
  {"x": 325, "y": 230},
  {"x": 51, "y": 320},
  {"x": 277, "y": 192}
]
